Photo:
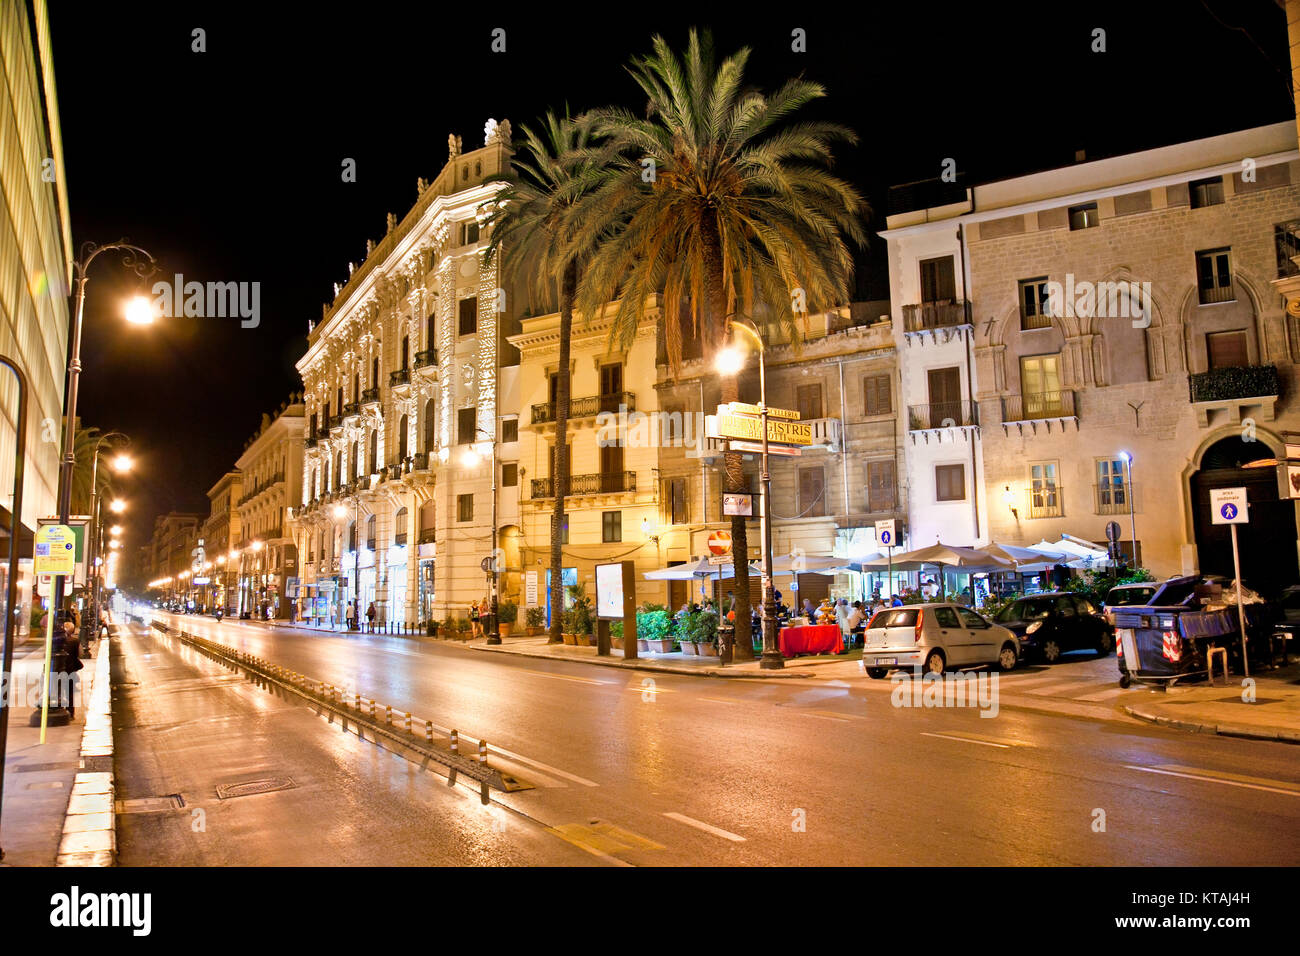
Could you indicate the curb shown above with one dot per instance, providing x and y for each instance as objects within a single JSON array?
[
  {"x": 653, "y": 668},
  {"x": 90, "y": 825},
  {"x": 1278, "y": 734}
]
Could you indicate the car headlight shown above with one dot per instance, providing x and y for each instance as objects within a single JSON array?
[{"x": 1033, "y": 627}]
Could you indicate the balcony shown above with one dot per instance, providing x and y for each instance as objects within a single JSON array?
[
  {"x": 399, "y": 380},
  {"x": 826, "y": 433},
  {"x": 352, "y": 410},
  {"x": 427, "y": 536},
  {"x": 1110, "y": 499},
  {"x": 602, "y": 484},
  {"x": 1047, "y": 501},
  {"x": 420, "y": 461},
  {"x": 1233, "y": 393},
  {"x": 943, "y": 415},
  {"x": 587, "y": 407},
  {"x": 928, "y": 316},
  {"x": 1212, "y": 294},
  {"x": 335, "y": 423},
  {"x": 370, "y": 398},
  {"x": 426, "y": 364},
  {"x": 1286, "y": 242},
  {"x": 310, "y": 441},
  {"x": 1039, "y": 407},
  {"x": 1029, "y": 323}
]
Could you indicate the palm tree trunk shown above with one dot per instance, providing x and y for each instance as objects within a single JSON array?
[
  {"x": 734, "y": 471},
  {"x": 560, "y": 458}
]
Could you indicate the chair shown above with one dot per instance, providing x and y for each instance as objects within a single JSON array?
[{"x": 1210, "y": 654}]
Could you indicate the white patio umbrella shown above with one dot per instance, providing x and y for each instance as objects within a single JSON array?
[
  {"x": 942, "y": 556},
  {"x": 697, "y": 569},
  {"x": 1080, "y": 555},
  {"x": 1028, "y": 560},
  {"x": 806, "y": 564}
]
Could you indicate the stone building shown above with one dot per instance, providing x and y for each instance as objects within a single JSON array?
[
  {"x": 175, "y": 538},
  {"x": 221, "y": 536},
  {"x": 1125, "y": 306},
  {"x": 271, "y": 483}
]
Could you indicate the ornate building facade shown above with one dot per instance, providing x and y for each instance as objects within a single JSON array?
[{"x": 271, "y": 472}]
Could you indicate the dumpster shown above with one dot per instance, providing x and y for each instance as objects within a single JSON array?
[{"x": 1165, "y": 641}]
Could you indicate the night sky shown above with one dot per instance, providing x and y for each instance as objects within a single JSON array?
[{"x": 226, "y": 164}]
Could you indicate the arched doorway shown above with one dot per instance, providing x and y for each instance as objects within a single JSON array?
[{"x": 1267, "y": 544}]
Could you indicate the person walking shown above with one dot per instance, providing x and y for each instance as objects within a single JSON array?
[
  {"x": 474, "y": 629},
  {"x": 72, "y": 664},
  {"x": 370, "y": 617},
  {"x": 352, "y": 615}
]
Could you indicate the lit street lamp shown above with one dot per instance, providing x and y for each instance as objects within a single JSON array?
[
  {"x": 1128, "y": 460},
  {"x": 730, "y": 361}
]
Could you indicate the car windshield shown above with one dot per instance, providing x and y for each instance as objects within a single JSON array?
[
  {"x": 895, "y": 617},
  {"x": 1128, "y": 597},
  {"x": 1025, "y": 611}
]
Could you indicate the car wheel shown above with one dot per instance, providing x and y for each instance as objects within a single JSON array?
[
  {"x": 1007, "y": 657},
  {"x": 1051, "y": 651},
  {"x": 934, "y": 663},
  {"x": 1125, "y": 680},
  {"x": 876, "y": 673},
  {"x": 1105, "y": 644}
]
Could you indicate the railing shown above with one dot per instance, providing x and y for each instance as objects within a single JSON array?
[
  {"x": 351, "y": 408},
  {"x": 1233, "y": 382},
  {"x": 272, "y": 533},
  {"x": 370, "y": 396},
  {"x": 426, "y": 357},
  {"x": 935, "y": 315},
  {"x": 1111, "y": 499},
  {"x": 1286, "y": 240},
  {"x": 881, "y": 501},
  {"x": 943, "y": 415},
  {"x": 273, "y": 480},
  {"x": 825, "y": 432},
  {"x": 420, "y": 461},
  {"x": 427, "y": 536},
  {"x": 587, "y": 407},
  {"x": 1030, "y": 322},
  {"x": 601, "y": 484},
  {"x": 1046, "y": 502},
  {"x": 399, "y": 538},
  {"x": 401, "y": 376},
  {"x": 335, "y": 421},
  {"x": 310, "y": 441},
  {"x": 1217, "y": 293},
  {"x": 1037, "y": 406}
]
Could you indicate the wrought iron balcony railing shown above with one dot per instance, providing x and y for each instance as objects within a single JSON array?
[
  {"x": 426, "y": 358},
  {"x": 370, "y": 397},
  {"x": 1037, "y": 406},
  {"x": 1047, "y": 501},
  {"x": 943, "y": 415},
  {"x": 935, "y": 315},
  {"x": 601, "y": 484},
  {"x": 401, "y": 376},
  {"x": 587, "y": 407}
]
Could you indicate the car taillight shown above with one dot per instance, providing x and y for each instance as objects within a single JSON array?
[{"x": 920, "y": 617}]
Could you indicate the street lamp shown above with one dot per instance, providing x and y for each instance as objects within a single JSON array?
[
  {"x": 471, "y": 459},
  {"x": 117, "y": 506},
  {"x": 1132, "y": 517},
  {"x": 121, "y": 463},
  {"x": 341, "y": 512},
  {"x": 729, "y": 362}
]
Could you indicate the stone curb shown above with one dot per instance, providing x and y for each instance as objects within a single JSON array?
[
  {"x": 90, "y": 824},
  {"x": 1280, "y": 734},
  {"x": 653, "y": 668}
]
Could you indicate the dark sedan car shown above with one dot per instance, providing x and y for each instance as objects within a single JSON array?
[{"x": 1050, "y": 624}]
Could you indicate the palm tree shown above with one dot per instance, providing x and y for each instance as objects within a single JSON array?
[
  {"x": 86, "y": 444},
  {"x": 550, "y": 173},
  {"x": 718, "y": 198}
]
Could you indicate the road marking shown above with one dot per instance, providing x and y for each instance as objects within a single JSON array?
[
  {"x": 650, "y": 688},
  {"x": 1105, "y": 694},
  {"x": 829, "y": 715},
  {"x": 707, "y": 828},
  {"x": 720, "y": 700},
  {"x": 573, "y": 833},
  {"x": 1284, "y": 787},
  {"x": 970, "y": 739},
  {"x": 1049, "y": 690},
  {"x": 580, "y": 680}
]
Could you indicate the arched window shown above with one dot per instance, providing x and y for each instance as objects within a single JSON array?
[
  {"x": 399, "y": 527},
  {"x": 356, "y": 387},
  {"x": 406, "y": 351},
  {"x": 430, "y": 408},
  {"x": 356, "y": 458},
  {"x": 340, "y": 398},
  {"x": 428, "y": 515},
  {"x": 352, "y": 536},
  {"x": 401, "y": 440},
  {"x": 338, "y": 469},
  {"x": 370, "y": 532},
  {"x": 374, "y": 451},
  {"x": 374, "y": 371}
]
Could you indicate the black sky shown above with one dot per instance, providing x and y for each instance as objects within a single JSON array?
[{"x": 226, "y": 164}]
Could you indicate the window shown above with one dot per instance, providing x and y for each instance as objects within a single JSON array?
[
  {"x": 374, "y": 452},
  {"x": 464, "y": 507},
  {"x": 880, "y": 485},
  {"x": 1206, "y": 192},
  {"x": 1040, "y": 386},
  {"x": 1214, "y": 276},
  {"x": 401, "y": 440},
  {"x": 509, "y": 430},
  {"x": 946, "y": 617},
  {"x": 564, "y": 532},
  {"x": 1084, "y": 216},
  {"x": 428, "y": 521},
  {"x": 374, "y": 373},
  {"x": 812, "y": 501},
  {"x": 808, "y": 400},
  {"x": 876, "y": 398},
  {"x": 945, "y": 407},
  {"x": 611, "y": 380},
  {"x": 678, "y": 512},
  {"x": 468, "y": 324},
  {"x": 1034, "y": 313},
  {"x": 1227, "y": 349},
  {"x": 431, "y": 330},
  {"x": 509, "y": 474},
  {"x": 399, "y": 526},
  {"x": 611, "y": 469},
  {"x": 468, "y": 231},
  {"x": 937, "y": 281},
  {"x": 1044, "y": 495},
  {"x": 1112, "y": 494},
  {"x": 611, "y": 526},
  {"x": 370, "y": 532},
  {"x": 352, "y": 536},
  {"x": 406, "y": 352},
  {"x": 949, "y": 482},
  {"x": 430, "y": 420},
  {"x": 971, "y": 620},
  {"x": 466, "y": 425}
]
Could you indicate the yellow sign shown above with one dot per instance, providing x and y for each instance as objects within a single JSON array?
[
  {"x": 751, "y": 429},
  {"x": 56, "y": 550},
  {"x": 740, "y": 408}
]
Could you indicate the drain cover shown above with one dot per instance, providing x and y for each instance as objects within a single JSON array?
[
  {"x": 42, "y": 767},
  {"x": 249, "y": 788},
  {"x": 173, "y": 801}
]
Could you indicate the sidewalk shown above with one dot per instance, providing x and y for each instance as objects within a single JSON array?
[
  {"x": 39, "y": 778},
  {"x": 676, "y": 663},
  {"x": 1273, "y": 715}
]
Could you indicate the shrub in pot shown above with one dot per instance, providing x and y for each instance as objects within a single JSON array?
[
  {"x": 701, "y": 629},
  {"x": 536, "y": 620},
  {"x": 654, "y": 626},
  {"x": 449, "y": 627},
  {"x": 507, "y": 614},
  {"x": 616, "y": 634},
  {"x": 578, "y": 619}
]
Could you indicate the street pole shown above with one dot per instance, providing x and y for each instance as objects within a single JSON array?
[
  {"x": 1133, "y": 518},
  {"x": 1241, "y": 610},
  {"x": 771, "y": 659},
  {"x": 11, "y": 585}
]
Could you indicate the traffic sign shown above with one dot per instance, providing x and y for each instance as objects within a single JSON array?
[
  {"x": 756, "y": 447},
  {"x": 885, "y": 534},
  {"x": 738, "y": 503},
  {"x": 1112, "y": 531},
  {"x": 751, "y": 429},
  {"x": 740, "y": 408},
  {"x": 1229, "y": 506},
  {"x": 720, "y": 542},
  {"x": 55, "y": 550}
]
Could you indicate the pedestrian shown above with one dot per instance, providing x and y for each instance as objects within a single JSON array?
[
  {"x": 809, "y": 611},
  {"x": 72, "y": 664},
  {"x": 370, "y": 616},
  {"x": 352, "y": 615},
  {"x": 473, "y": 619},
  {"x": 842, "y": 619}
]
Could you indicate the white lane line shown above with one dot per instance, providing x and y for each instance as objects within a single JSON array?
[
  {"x": 466, "y": 741},
  {"x": 579, "y": 680},
  {"x": 1207, "y": 779},
  {"x": 707, "y": 828},
  {"x": 1060, "y": 689},
  {"x": 967, "y": 740},
  {"x": 1105, "y": 694},
  {"x": 720, "y": 700}
]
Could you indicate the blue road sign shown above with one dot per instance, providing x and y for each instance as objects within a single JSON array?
[{"x": 1229, "y": 511}]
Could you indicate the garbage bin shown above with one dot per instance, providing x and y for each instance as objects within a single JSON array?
[{"x": 727, "y": 640}]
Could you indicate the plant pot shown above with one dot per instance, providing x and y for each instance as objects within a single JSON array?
[
  {"x": 663, "y": 646},
  {"x": 586, "y": 640},
  {"x": 533, "y": 631},
  {"x": 504, "y": 628},
  {"x": 688, "y": 648},
  {"x": 616, "y": 642},
  {"x": 642, "y": 644},
  {"x": 706, "y": 650},
  {"x": 571, "y": 639},
  {"x": 432, "y": 629}
]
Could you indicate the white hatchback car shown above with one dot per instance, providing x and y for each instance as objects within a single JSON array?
[{"x": 936, "y": 637}]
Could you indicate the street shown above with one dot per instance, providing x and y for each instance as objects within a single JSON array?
[{"x": 630, "y": 768}]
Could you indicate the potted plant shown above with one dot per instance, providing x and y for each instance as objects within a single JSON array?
[
  {"x": 578, "y": 618},
  {"x": 449, "y": 627},
  {"x": 507, "y": 614},
  {"x": 431, "y": 627},
  {"x": 536, "y": 620},
  {"x": 462, "y": 628},
  {"x": 702, "y": 632},
  {"x": 616, "y": 634},
  {"x": 654, "y": 629}
]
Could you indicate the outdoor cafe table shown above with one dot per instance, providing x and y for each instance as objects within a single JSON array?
[{"x": 810, "y": 639}]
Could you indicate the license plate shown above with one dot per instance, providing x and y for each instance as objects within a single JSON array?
[{"x": 886, "y": 660}]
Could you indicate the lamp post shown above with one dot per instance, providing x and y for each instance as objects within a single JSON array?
[
  {"x": 730, "y": 362},
  {"x": 142, "y": 264},
  {"x": 121, "y": 464},
  {"x": 1128, "y": 460},
  {"x": 471, "y": 459}
]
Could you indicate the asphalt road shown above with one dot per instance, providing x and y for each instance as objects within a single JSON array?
[{"x": 646, "y": 769}]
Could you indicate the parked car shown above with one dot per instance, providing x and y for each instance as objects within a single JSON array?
[
  {"x": 935, "y": 637},
  {"x": 1127, "y": 595},
  {"x": 1050, "y": 624}
]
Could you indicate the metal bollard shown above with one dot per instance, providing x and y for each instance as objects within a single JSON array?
[
  {"x": 388, "y": 714},
  {"x": 482, "y": 753},
  {"x": 358, "y": 702},
  {"x": 455, "y": 742},
  {"x": 428, "y": 730},
  {"x": 372, "y": 708},
  {"x": 408, "y": 723}
]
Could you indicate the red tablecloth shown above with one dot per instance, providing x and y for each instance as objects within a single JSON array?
[{"x": 813, "y": 639}]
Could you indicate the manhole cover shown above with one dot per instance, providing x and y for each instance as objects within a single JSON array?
[
  {"x": 42, "y": 767},
  {"x": 250, "y": 787},
  {"x": 173, "y": 801}
]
